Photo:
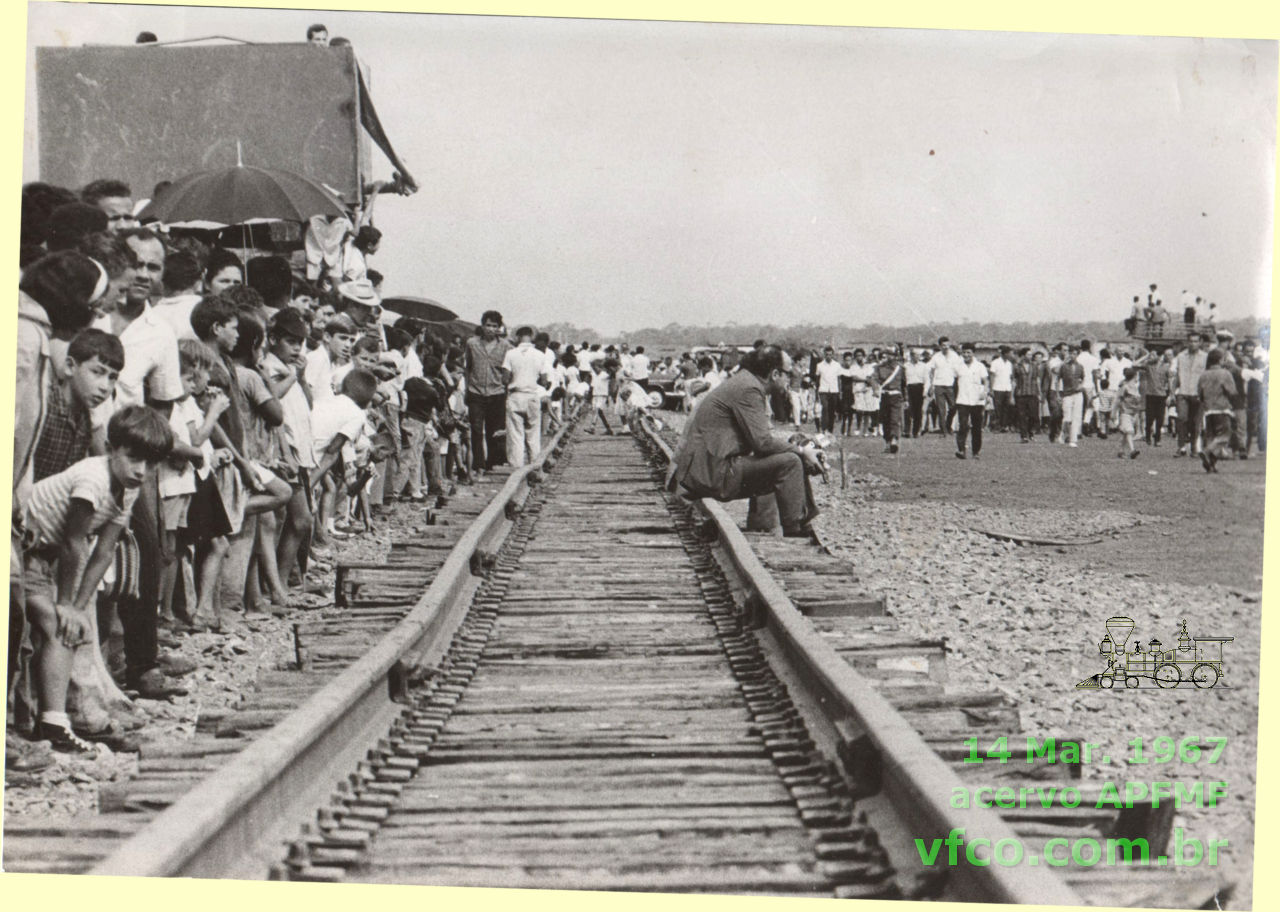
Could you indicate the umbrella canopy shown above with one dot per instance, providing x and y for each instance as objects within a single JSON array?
[
  {"x": 419, "y": 308},
  {"x": 235, "y": 196}
]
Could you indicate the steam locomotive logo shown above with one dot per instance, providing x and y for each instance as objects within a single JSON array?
[{"x": 1197, "y": 660}]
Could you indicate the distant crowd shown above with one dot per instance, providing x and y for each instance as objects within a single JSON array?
[{"x": 1210, "y": 394}]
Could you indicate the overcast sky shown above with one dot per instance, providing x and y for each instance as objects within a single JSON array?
[{"x": 628, "y": 174}]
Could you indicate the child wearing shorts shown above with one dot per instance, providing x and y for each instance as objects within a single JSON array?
[
  {"x": 201, "y": 538},
  {"x": 337, "y": 423},
  {"x": 1104, "y": 406},
  {"x": 601, "y": 380},
  {"x": 62, "y": 569},
  {"x": 1129, "y": 404}
]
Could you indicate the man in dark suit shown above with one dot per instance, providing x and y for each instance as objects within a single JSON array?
[{"x": 730, "y": 452}]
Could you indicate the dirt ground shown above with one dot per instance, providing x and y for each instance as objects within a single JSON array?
[
  {"x": 1166, "y": 543},
  {"x": 1155, "y": 539},
  {"x": 1202, "y": 528}
]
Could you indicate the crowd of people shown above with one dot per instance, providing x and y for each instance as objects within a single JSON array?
[
  {"x": 194, "y": 432},
  {"x": 1064, "y": 392}
]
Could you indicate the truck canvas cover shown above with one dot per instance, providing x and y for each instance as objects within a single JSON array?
[{"x": 143, "y": 114}]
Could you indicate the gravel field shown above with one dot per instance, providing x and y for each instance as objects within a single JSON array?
[
  {"x": 1175, "y": 544},
  {"x": 229, "y": 664}
]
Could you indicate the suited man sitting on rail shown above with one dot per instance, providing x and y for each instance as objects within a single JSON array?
[{"x": 730, "y": 452}]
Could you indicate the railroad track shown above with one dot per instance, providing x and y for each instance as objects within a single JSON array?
[{"x": 604, "y": 687}]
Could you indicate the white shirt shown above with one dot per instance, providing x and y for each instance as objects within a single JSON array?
[
  {"x": 600, "y": 383},
  {"x": 1113, "y": 369},
  {"x": 1089, "y": 361},
  {"x": 1001, "y": 376},
  {"x": 319, "y": 374},
  {"x": 176, "y": 312},
  {"x": 971, "y": 383},
  {"x": 638, "y": 398},
  {"x": 942, "y": 367},
  {"x": 526, "y": 365},
  {"x": 861, "y": 374},
  {"x": 1055, "y": 379},
  {"x": 176, "y": 482},
  {"x": 554, "y": 371},
  {"x": 412, "y": 365},
  {"x": 640, "y": 366},
  {"x": 917, "y": 372},
  {"x": 88, "y": 480},
  {"x": 296, "y": 412},
  {"x": 354, "y": 265},
  {"x": 151, "y": 366},
  {"x": 829, "y": 373},
  {"x": 331, "y": 417}
]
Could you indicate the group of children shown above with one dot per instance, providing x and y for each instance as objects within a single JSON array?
[{"x": 250, "y": 460}]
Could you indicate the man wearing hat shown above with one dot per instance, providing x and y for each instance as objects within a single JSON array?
[{"x": 361, "y": 303}]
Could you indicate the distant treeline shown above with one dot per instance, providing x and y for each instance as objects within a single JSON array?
[{"x": 678, "y": 336}]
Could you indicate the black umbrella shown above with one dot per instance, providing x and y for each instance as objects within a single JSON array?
[
  {"x": 419, "y": 308},
  {"x": 234, "y": 196}
]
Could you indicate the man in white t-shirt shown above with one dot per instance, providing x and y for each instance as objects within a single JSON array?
[
  {"x": 1002, "y": 390},
  {"x": 524, "y": 369},
  {"x": 971, "y": 400},
  {"x": 1091, "y": 364},
  {"x": 334, "y": 351},
  {"x": 640, "y": 367},
  {"x": 828, "y": 371},
  {"x": 942, "y": 378}
]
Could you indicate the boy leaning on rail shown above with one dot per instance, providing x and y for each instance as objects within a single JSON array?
[{"x": 63, "y": 565}]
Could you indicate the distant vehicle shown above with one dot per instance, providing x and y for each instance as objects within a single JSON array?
[{"x": 1159, "y": 336}]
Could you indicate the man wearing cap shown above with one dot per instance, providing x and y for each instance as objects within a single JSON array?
[
  {"x": 729, "y": 451},
  {"x": 889, "y": 383}
]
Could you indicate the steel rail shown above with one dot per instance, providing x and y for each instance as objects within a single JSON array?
[
  {"x": 913, "y": 777},
  {"x": 235, "y": 823}
]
